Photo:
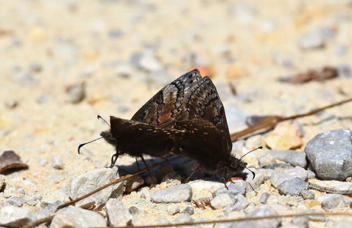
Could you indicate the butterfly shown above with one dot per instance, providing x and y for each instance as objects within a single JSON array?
[{"x": 185, "y": 118}]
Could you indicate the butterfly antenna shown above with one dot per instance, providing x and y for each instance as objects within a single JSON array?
[
  {"x": 260, "y": 147},
  {"x": 79, "y": 147},
  {"x": 99, "y": 117}
]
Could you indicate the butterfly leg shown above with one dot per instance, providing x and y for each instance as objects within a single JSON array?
[
  {"x": 137, "y": 165},
  {"x": 113, "y": 159},
  {"x": 224, "y": 178},
  {"x": 150, "y": 174}
]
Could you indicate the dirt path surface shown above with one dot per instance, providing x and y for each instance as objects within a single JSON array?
[{"x": 120, "y": 53}]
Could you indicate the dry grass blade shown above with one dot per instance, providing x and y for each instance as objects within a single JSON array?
[
  {"x": 271, "y": 121},
  {"x": 243, "y": 219}
]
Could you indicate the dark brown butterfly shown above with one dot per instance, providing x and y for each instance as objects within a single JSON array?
[{"x": 185, "y": 118}]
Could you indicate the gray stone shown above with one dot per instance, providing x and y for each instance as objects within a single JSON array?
[
  {"x": 307, "y": 194},
  {"x": 53, "y": 206},
  {"x": 312, "y": 40},
  {"x": 233, "y": 189},
  {"x": 76, "y": 93},
  {"x": 301, "y": 222},
  {"x": 332, "y": 201},
  {"x": 311, "y": 174},
  {"x": 92, "y": 180},
  {"x": 172, "y": 209},
  {"x": 134, "y": 210},
  {"x": 254, "y": 142},
  {"x": 240, "y": 204},
  {"x": 57, "y": 162},
  {"x": 118, "y": 213},
  {"x": 278, "y": 167},
  {"x": 316, "y": 218},
  {"x": 42, "y": 162},
  {"x": 43, "y": 98},
  {"x": 12, "y": 216},
  {"x": 297, "y": 172},
  {"x": 188, "y": 210},
  {"x": 254, "y": 182},
  {"x": 330, "y": 154},
  {"x": 260, "y": 212},
  {"x": 297, "y": 159},
  {"x": 162, "y": 221},
  {"x": 133, "y": 182},
  {"x": 149, "y": 63},
  {"x": 42, "y": 213},
  {"x": 292, "y": 187},
  {"x": 175, "y": 194},
  {"x": 264, "y": 197},
  {"x": 183, "y": 219},
  {"x": 278, "y": 177},
  {"x": 223, "y": 200},
  {"x": 77, "y": 217},
  {"x": 344, "y": 223},
  {"x": 266, "y": 159},
  {"x": 15, "y": 201},
  {"x": 202, "y": 185}
]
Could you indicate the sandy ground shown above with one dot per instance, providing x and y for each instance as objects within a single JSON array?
[{"x": 46, "y": 46}]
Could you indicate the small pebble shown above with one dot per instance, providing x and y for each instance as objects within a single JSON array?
[
  {"x": 316, "y": 218},
  {"x": 76, "y": 93},
  {"x": 307, "y": 195},
  {"x": 264, "y": 197},
  {"x": 240, "y": 204},
  {"x": 312, "y": 40},
  {"x": 15, "y": 201},
  {"x": 118, "y": 214},
  {"x": 42, "y": 162},
  {"x": 15, "y": 217},
  {"x": 162, "y": 221},
  {"x": 188, "y": 210},
  {"x": 93, "y": 179},
  {"x": 301, "y": 222},
  {"x": 57, "y": 162},
  {"x": 297, "y": 159},
  {"x": 322, "y": 154},
  {"x": 134, "y": 210},
  {"x": 284, "y": 137},
  {"x": 223, "y": 200},
  {"x": 292, "y": 187},
  {"x": 175, "y": 194},
  {"x": 254, "y": 142},
  {"x": 172, "y": 209},
  {"x": 260, "y": 212},
  {"x": 183, "y": 219},
  {"x": 233, "y": 189},
  {"x": 77, "y": 217},
  {"x": 11, "y": 104}
]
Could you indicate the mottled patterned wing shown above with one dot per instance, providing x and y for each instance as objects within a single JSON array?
[
  {"x": 202, "y": 101},
  {"x": 168, "y": 104}
]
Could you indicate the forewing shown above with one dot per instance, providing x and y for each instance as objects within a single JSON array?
[
  {"x": 203, "y": 102},
  {"x": 168, "y": 104},
  {"x": 137, "y": 139}
]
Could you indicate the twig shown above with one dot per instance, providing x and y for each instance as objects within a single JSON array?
[
  {"x": 329, "y": 190},
  {"x": 271, "y": 121},
  {"x": 243, "y": 219}
]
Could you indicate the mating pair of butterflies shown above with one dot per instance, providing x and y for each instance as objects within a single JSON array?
[{"x": 184, "y": 118}]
